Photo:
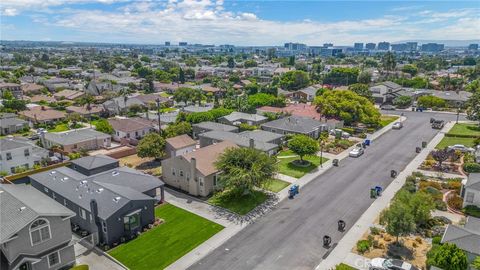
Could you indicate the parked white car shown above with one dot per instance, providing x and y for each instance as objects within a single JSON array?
[
  {"x": 462, "y": 148},
  {"x": 356, "y": 152},
  {"x": 390, "y": 264},
  {"x": 397, "y": 125}
]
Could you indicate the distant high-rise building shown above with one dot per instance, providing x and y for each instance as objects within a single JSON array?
[
  {"x": 182, "y": 43},
  {"x": 327, "y": 45},
  {"x": 370, "y": 46},
  {"x": 358, "y": 46},
  {"x": 295, "y": 46},
  {"x": 401, "y": 47},
  {"x": 384, "y": 46},
  {"x": 432, "y": 47},
  {"x": 412, "y": 46},
  {"x": 473, "y": 47},
  {"x": 167, "y": 43}
]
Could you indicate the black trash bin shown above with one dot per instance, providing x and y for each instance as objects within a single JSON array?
[
  {"x": 393, "y": 173},
  {"x": 327, "y": 240},
  {"x": 341, "y": 225},
  {"x": 335, "y": 162},
  {"x": 418, "y": 149}
]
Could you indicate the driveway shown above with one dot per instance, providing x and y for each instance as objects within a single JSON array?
[{"x": 290, "y": 237}]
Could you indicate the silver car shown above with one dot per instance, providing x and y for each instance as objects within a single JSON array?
[
  {"x": 462, "y": 148},
  {"x": 397, "y": 125},
  {"x": 356, "y": 152},
  {"x": 390, "y": 264}
]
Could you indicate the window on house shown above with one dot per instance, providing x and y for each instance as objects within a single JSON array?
[
  {"x": 201, "y": 181},
  {"x": 136, "y": 133},
  {"x": 83, "y": 214},
  {"x": 181, "y": 173},
  {"x": 12, "y": 169},
  {"x": 188, "y": 176},
  {"x": 215, "y": 180},
  {"x": 128, "y": 135},
  {"x": 74, "y": 146},
  {"x": 64, "y": 202},
  {"x": 26, "y": 152},
  {"x": 9, "y": 156},
  {"x": 53, "y": 259},
  {"x": 470, "y": 196},
  {"x": 173, "y": 171},
  {"x": 131, "y": 222},
  {"x": 39, "y": 231},
  {"x": 118, "y": 134},
  {"x": 104, "y": 227}
]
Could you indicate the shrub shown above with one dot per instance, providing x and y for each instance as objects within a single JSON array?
[
  {"x": 456, "y": 202},
  {"x": 349, "y": 130},
  {"x": 436, "y": 240},
  {"x": 363, "y": 246},
  {"x": 472, "y": 210},
  {"x": 375, "y": 230},
  {"x": 472, "y": 167}
]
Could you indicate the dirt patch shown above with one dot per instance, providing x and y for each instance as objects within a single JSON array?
[
  {"x": 412, "y": 249},
  {"x": 147, "y": 165}
]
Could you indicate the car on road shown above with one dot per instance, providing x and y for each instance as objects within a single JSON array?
[
  {"x": 462, "y": 148},
  {"x": 397, "y": 125},
  {"x": 437, "y": 124},
  {"x": 390, "y": 264},
  {"x": 356, "y": 152},
  {"x": 388, "y": 107},
  {"x": 344, "y": 134}
]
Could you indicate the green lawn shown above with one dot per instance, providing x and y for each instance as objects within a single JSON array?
[
  {"x": 59, "y": 128},
  {"x": 275, "y": 185},
  {"x": 167, "y": 110},
  {"x": 166, "y": 95},
  {"x": 465, "y": 130},
  {"x": 447, "y": 141},
  {"x": 285, "y": 166},
  {"x": 166, "y": 243},
  {"x": 387, "y": 119},
  {"x": 286, "y": 153},
  {"x": 343, "y": 266},
  {"x": 241, "y": 205}
]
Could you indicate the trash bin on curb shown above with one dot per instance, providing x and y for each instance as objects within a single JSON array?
[
  {"x": 327, "y": 240},
  {"x": 373, "y": 193},
  {"x": 418, "y": 149},
  {"x": 335, "y": 162},
  {"x": 424, "y": 144}
]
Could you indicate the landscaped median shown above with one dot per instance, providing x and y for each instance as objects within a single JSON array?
[
  {"x": 287, "y": 166},
  {"x": 157, "y": 248}
]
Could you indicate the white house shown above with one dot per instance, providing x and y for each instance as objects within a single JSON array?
[
  {"x": 19, "y": 153},
  {"x": 471, "y": 190}
]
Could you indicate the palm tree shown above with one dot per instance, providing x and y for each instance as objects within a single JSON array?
[
  {"x": 87, "y": 101},
  {"x": 322, "y": 139}
]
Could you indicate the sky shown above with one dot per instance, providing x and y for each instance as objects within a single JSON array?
[{"x": 240, "y": 22}]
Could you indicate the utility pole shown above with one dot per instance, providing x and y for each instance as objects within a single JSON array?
[{"x": 159, "y": 121}]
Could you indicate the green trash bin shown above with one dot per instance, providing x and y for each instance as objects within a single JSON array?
[
  {"x": 424, "y": 144},
  {"x": 373, "y": 193}
]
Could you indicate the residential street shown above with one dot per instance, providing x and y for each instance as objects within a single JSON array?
[{"x": 290, "y": 236}]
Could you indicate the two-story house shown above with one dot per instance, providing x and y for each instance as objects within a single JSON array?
[
  {"x": 10, "y": 123},
  {"x": 471, "y": 190},
  {"x": 20, "y": 153},
  {"x": 35, "y": 232},
  {"x": 179, "y": 145},
  {"x": 195, "y": 172},
  {"x": 113, "y": 203}
]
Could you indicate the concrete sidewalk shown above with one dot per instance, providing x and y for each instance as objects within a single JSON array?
[{"x": 345, "y": 245}]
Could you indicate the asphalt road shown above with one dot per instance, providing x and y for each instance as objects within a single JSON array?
[{"x": 290, "y": 236}]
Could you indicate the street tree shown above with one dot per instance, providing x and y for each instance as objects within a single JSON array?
[
  {"x": 476, "y": 263},
  {"x": 177, "y": 129},
  {"x": 303, "y": 145},
  {"x": 398, "y": 220},
  {"x": 410, "y": 69},
  {"x": 473, "y": 107},
  {"x": 361, "y": 90},
  {"x": 244, "y": 169},
  {"x": 102, "y": 125},
  {"x": 442, "y": 155},
  {"x": 152, "y": 145}
]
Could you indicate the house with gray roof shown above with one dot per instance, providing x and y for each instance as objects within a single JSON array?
[
  {"x": 215, "y": 136},
  {"x": 466, "y": 238},
  {"x": 305, "y": 94},
  {"x": 237, "y": 118},
  {"x": 210, "y": 126},
  {"x": 77, "y": 139},
  {"x": 263, "y": 136},
  {"x": 299, "y": 125},
  {"x": 18, "y": 153},
  {"x": 113, "y": 203},
  {"x": 35, "y": 230},
  {"x": 10, "y": 124},
  {"x": 471, "y": 190}
]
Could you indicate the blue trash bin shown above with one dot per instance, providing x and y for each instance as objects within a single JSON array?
[
  {"x": 367, "y": 142},
  {"x": 379, "y": 190}
]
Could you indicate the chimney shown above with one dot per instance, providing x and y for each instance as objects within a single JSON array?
[
  {"x": 251, "y": 143},
  {"x": 94, "y": 216},
  {"x": 193, "y": 179}
]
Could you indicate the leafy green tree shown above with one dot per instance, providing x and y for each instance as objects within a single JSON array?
[
  {"x": 398, "y": 220},
  {"x": 183, "y": 94},
  {"x": 106, "y": 65},
  {"x": 473, "y": 107},
  {"x": 476, "y": 263},
  {"x": 143, "y": 72},
  {"x": 364, "y": 77},
  {"x": 231, "y": 62},
  {"x": 14, "y": 105},
  {"x": 402, "y": 101},
  {"x": 177, "y": 129},
  {"x": 181, "y": 76},
  {"x": 145, "y": 59},
  {"x": 244, "y": 169},
  {"x": 473, "y": 86},
  {"x": 294, "y": 80},
  {"x": 431, "y": 102},
  {"x": 420, "y": 205},
  {"x": 250, "y": 63},
  {"x": 262, "y": 99},
  {"x": 303, "y": 145},
  {"x": 410, "y": 69},
  {"x": 348, "y": 106},
  {"x": 416, "y": 82},
  {"x": 152, "y": 145},
  {"x": 102, "y": 125},
  {"x": 7, "y": 95},
  {"x": 342, "y": 76},
  {"x": 449, "y": 257},
  {"x": 388, "y": 61},
  {"x": 361, "y": 90}
]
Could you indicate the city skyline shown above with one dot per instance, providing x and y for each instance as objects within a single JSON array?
[{"x": 261, "y": 23}]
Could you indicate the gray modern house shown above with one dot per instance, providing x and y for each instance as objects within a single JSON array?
[
  {"x": 10, "y": 123},
  {"x": 300, "y": 125},
  {"x": 114, "y": 203},
  {"x": 237, "y": 118},
  {"x": 210, "y": 126},
  {"x": 35, "y": 230},
  {"x": 465, "y": 237}
]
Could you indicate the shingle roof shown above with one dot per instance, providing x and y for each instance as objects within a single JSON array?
[
  {"x": 92, "y": 162},
  {"x": 6, "y": 122},
  {"x": 215, "y": 126},
  {"x": 261, "y": 135},
  {"x": 206, "y": 156},
  {"x": 181, "y": 141},
  {"x": 237, "y": 116},
  {"x": 75, "y": 136},
  {"x": 22, "y": 204},
  {"x": 473, "y": 181},
  {"x": 243, "y": 141},
  {"x": 294, "y": 124},
  {"x": 11, "y": 143},
  {"x": 466, "y": 238},
  {"x": 130, "y": 124}
]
